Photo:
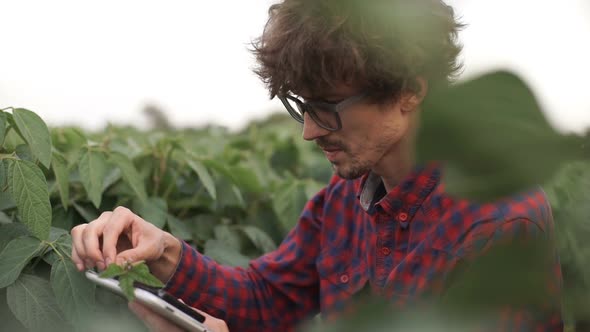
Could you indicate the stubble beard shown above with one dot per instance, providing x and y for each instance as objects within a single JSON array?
[
  {"x": 355, "y": 170},
  {"x": 355, "y": 167}
]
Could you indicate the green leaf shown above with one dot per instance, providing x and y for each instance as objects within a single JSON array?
[
  {"x": 179, "y": 228},
  {"x": 93, "y": 168},
  {"x": 3, "y": 122},
  {"x": 154, "y": 210},
  {"x": 13, "y": 137},
  {"x": 32, "y": 302},
  {"x": 23, "y": 152},
  {"x": 9, "y": 232},
  {"x": 242, "y": 176},
  {"x": 230, "y": 236},
  {"x": 86, "y": 212},
  {"x": 36, "y": 133},
  {"x": 126, "y": 284},
  {"x": 74, "y": 293},
  {"x": 246, "y": 179},
  {"x": 113, "y": 175},
  {"x": 224, "y": 254},
  {"x": 141, "y": 273},
  {"x": 285, "y": 156},
  {"x": 260, "y": 239},
  {"x": 3, "y": 176},
  {"x": 60, "y": 169},
  {"x": 6, "y": 201},
  {"x": 64, "y": 243},
  {"x": 55, "y": 233},
  {"x": 204, "y": 176},
  {"x": 29, "y": 190},
  {"x": 16, "y": 256},
  {"x": 68, "y": 139},
  {"x": 113, "y": 270},
  {"x": 491, "y": 133},
  {"x": 228, "y": 195},
  {"x": 289, "y": 201},
  {"x": 62, "y": 218},
  {"x": 130, "y": 174}
]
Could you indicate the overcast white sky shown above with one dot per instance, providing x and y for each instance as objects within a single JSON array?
[{"x": 89, "y": 62}]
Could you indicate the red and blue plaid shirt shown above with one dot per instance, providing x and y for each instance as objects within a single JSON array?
[{"x": 403, "y": 244}]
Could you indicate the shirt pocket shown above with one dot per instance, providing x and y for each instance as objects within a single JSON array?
[{"x": 341, "y": 279}]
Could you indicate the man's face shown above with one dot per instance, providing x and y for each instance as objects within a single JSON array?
[{"x": 369, "y": 138}]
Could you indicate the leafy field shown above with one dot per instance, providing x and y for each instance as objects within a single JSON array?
[{"x": 235, "y": 195}]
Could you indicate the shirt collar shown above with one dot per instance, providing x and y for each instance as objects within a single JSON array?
[{"x": 404, "y": 200}]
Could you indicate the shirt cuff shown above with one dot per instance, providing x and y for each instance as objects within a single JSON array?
[{"x": 184, "y": 269}]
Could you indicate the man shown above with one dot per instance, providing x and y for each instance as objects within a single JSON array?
[{"x": 354, "y": 73}]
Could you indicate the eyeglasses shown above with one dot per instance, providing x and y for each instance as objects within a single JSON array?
[{"x": 323, "y": 113}]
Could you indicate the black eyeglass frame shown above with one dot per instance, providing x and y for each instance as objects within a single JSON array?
[{"x": 309, "y": 107}]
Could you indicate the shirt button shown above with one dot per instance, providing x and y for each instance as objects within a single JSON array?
[
  {"x": 402, "y": 216},
  {"x": 385, "y": 251},
  {"x": 344, "y": 278}
]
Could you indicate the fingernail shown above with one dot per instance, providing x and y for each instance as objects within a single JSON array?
[
  {"x": 80, "y": 266},
  {"x": 100, "y": 266},
  {"x": 89, "y": 264},
  {"x": 108, "y": 261}
]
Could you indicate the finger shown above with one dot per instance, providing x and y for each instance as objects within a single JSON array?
[
  {"x": 215, "y": 324},
  {"x": 122, "y": 221},
  {"x": 77, "y": 261},
  {"x": 153, "y": 321},
  {"x": 90, "y": 240},
  {"x": 139, "y": 253},
  {"x": 78, "y": 251}
]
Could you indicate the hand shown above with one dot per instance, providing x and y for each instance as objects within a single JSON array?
[
  {"x": 122, "y": 236},
  {"x": 157, "y": 323}
]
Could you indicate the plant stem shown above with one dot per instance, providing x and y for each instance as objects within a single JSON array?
[{"x": 43, "y": 252}]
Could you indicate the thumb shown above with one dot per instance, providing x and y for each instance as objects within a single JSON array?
[
  {"x": 145, "y": 251},
  {"x": 131, "y": 256}
]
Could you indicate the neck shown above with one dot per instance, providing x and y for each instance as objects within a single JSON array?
[
  {"x": 398, "y": 163},
  {"x": 397, "y": 173}
]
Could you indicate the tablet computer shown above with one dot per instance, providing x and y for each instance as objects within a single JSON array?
[{"x": 158, "y": 301}]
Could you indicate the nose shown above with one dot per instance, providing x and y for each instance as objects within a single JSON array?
[{"x": 311, "y": 130}]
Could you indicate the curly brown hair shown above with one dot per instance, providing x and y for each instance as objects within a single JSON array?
[{"x": 379, "y": 45}]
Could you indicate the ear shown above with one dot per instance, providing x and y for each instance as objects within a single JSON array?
[{"x": 412, "y": 99}]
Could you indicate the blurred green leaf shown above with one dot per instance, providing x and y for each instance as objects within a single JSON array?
[
  {"x": 3, "y": 123},
  {"x": 260, "y": 239},
  {"x": 3, "y": 178},
  {"x": 224, "y": 254},
  {"x": 93, "y": 168},
  {"x": 130, "y": 174},
  {"x": 492, "y": 134},
  {"x": 289, "y": 201},
  {"x": 154, "y": 210},
  {"x": 179, "y": 228},
  {"x": 204, "y": 175},
  {"x": 60, "y": 169},
  {"x": 86, "y": 212}
]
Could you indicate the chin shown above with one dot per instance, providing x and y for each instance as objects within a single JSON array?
[{"x": 349, "y": 174}]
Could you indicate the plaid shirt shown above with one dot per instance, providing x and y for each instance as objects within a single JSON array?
[{"x": 352, "y": 233}]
